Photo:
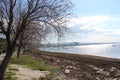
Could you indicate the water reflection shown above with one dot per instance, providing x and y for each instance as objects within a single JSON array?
[
  {"x": 99, "y": 50},
  {"x": 105, "y": 50}
]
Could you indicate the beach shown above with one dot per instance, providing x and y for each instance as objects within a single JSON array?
[{"x": 78, "y": 66}]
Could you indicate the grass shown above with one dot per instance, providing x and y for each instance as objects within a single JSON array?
[
  {"x": 9, "y": 76},
  {"x": 13, "y": 69},
  {"x": 29, "y": 62}
]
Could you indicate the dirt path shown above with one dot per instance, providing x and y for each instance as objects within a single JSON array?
[{"x": 24, "y": 73}]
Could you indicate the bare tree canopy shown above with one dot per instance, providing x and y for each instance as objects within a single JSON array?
[{"x": 18, "y": 15}]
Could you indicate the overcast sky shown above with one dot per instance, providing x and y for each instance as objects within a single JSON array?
[{"x": 95, "y": 21}]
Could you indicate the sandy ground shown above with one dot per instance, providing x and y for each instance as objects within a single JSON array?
[{"x": 24, "y": 73}]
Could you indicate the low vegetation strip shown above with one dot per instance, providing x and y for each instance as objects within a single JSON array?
[
  {"x": 26, "y": 68},
  {"x": 29, "y": 62}
]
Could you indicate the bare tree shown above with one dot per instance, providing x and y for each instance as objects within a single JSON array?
[
  {"x": 31, "y": 36},
  {"x": 35, "y": 13}
]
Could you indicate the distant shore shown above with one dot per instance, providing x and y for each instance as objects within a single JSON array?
[{"x": 83, "y": 67}]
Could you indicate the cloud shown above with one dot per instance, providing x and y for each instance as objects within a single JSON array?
[
  {"x": 90, "y": 20},
  {"x": 95, "y": 28}
]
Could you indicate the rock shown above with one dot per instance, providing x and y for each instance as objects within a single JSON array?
[
  {"x": 69, "y": 67},
  {"x": 101, "y": 71},
  {"x": 113, "y": 69},
  {"x": 74, "y": 67},
  {"x": 108, "y": 74},
  {"x": 117, "y": 73},
  {"x": 63, "y": 66},
  {"x": 58, "y": 60},
  {"x": 67, "y": 71},
  {"x": 115, "y": 79},
  {"x": 73, "y": 63},
  {"x": 114, "y": 72},
  {"x": 97, "y": 78}
]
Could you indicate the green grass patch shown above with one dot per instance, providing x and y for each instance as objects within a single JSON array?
[
  {"x": 13, "y": 69},
  {"x": 9, "y": 76},
  {"x": 29, "y": 62}
]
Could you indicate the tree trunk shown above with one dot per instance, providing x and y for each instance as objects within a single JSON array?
[
  {"x": 5, "y": 62},
  {"x": 18, "y": 53}
]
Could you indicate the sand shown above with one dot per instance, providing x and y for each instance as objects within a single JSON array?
[{"x": 25, "y": 73}]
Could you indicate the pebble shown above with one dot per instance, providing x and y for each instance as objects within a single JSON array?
[{"x": 67, "y": 71}]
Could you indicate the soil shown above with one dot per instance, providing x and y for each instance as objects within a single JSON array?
[
  {"x": 25, "y": 73},
  {"x": 79, "y": 67}
]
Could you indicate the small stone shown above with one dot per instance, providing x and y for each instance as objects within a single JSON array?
[
  {"x": 108, "y": 74},
  {"x": 100, "y": 71},
  {"x": 69, "y": 67},
  {"x": 57, "y": 60},
  {"x": 67, "y": 71},
  {"x": 113, "y": 69},
  {"x": 115, "y": 79},
  {"x": 117, "y": 73},
  {"x": 97, "y": 78}
]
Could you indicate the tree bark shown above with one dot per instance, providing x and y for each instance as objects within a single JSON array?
[
  {"x": 18, "y": 53},
  {"x": 5, "y": 62}
]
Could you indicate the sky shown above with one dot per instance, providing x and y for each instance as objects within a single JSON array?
[{"x": 94, "y": 21}]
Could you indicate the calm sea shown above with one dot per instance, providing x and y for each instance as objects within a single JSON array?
[{"x": 105, "y": 50}]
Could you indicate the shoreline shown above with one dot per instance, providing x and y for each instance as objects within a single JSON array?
[
  {"x": 85, "y": 51},
  {"x": 83, "y": 67},
  {"x": 79, "y": 54}
]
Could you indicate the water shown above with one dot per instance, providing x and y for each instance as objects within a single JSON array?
[{"x": 105, "y": 50}]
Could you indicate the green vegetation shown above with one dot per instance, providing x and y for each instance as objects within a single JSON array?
[
  {"x": 42, "y": 78},
  {"x": 29, "y": 62},
  {"x": 9, "y": 76},
  {"x": 13, "y": 69},
  {"x": 34, "y": 79}
]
